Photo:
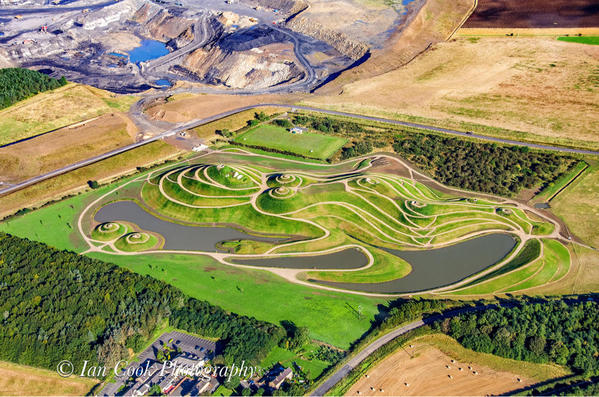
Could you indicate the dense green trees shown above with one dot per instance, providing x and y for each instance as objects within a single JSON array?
[
  {"x": 57, "y": 305},
  {"x": 17, "y": 84},
  {"x": 479, "y": 166},
  {"x": 566, "y": 333}
]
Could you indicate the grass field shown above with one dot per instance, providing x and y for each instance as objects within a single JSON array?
[
  {"x": 48, "y": 110},
  {"x": 592, "y": 40},
  {"x": 20, "y": 380},
  {"x": 76, "y": 181},
  {"x": 578, "y": 206},
  {"x": 553, "y": 188},
  {"x": 307, "y": 144}
]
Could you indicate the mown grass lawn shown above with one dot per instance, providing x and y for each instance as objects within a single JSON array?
[{"x": 307, "y": 144}]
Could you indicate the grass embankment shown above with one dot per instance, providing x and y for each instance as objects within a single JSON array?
[
  {"x": 48, "y": 110},
  {"x": 287, "y": 358},
  {"x": 592, "y": 40},
  {"x": 21, "y": 380},
  {"x": 307, "y": 144},
  {"x": 136, "y": 241},
  {"x": 553, "y": 188},
  {"x": 109, "y": 231},
  {"x": 578, "y": 206},
  {"x": 524, "y": 272}
]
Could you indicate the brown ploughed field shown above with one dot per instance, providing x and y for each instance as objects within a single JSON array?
[{"x": 535, "y": 14}]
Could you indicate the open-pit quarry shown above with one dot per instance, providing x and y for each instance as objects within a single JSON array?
[{"x": 247, "y": 46}]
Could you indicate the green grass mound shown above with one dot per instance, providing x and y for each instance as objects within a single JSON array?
[
  {"x": 287, "y": 180},
  {"x": 229, "y": 177},
  {"x": 136, "y": 241},
  {"x": 281, "y": 192},
  {"x": 109, "y": 231}
]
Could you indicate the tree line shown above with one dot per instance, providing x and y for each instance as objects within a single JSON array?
[
  {"x": 57, "y": 305},
  {"x": 562, "y": 332},
  {"x": 17, "y": 84},
  {"x": 481, "y": 166}
]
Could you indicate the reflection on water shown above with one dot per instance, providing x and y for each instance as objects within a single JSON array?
[
  {"x": 177, "y": 236},
  {"x": 440, "y": 267}
]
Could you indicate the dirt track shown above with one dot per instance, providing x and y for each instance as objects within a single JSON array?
[{"x": 535, "y": 14}]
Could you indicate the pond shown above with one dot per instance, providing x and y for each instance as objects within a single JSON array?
[
  {"x": 177, "y": 236},
  {"x": 148, "y": 50},
  {"x": 351, "y": 258},
  {"x": 440, "y": 267},
  {"x": 430, "y": 268}
]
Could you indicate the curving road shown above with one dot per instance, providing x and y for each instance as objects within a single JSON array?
[
  {"x": 137, "y": 113},
  {"x": 383, "y": 340}
]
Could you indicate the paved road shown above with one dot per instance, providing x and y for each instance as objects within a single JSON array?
[
  {"x": 138, "y": 114},
  {"x": 361, "y": 356},
  {"x": 383, "y": 340}
]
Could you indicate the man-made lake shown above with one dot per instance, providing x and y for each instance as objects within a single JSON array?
[
  {"x": 430, "y": 268},
  {"x": 177, "y": 236},
  {"x": 148, "y": 50},
  {"x": 351, "y": 258},
  {"x": 440, "y": 267}
]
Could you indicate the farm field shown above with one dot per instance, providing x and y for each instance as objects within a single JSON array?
[
  {"x": 45, "y": 111},
  {"x": 424, "y": 367},
  {"x": 65, "y": 146},
  {"x": 536, "y": 89},
  {"x": 534, "y": 14},
  {"x": 306, "y": 144},
  {"x": 75, "y": 182},
  {"x": 20, "y": 380},
  {"x": 592, "y": 40}
]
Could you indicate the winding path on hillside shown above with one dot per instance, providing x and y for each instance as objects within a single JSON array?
[{"x": 291, "y": 274}]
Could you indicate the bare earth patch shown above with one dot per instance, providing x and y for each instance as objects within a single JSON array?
[{"x": 188, "y": 107}]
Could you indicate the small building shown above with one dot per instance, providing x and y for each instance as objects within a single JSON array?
[
  {"x": 280, "y": 378},
  {"x": 298, "y": 130}
]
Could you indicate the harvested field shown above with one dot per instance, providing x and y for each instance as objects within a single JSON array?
[
  {"x": 51, "y": 151},
  {"x": 187, "y": 107},
  {"x": 76, "y": 181},
  {"x": 426, "y": 374},
  {"x": 526, "y": 88},
  {"x": 20, "y": 380},
  {"x": 535, "y": 14},
  {"x": 58, "y": 108}
]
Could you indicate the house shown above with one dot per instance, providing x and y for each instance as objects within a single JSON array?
[
  {"x": 276, "y": 383},
  {"x": 298, "y": 130}
]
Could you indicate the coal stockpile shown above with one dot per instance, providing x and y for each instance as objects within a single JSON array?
[{"x": 254, "y": 37}]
